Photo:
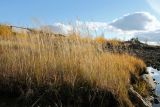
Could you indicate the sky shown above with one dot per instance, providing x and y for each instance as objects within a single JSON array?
[
  {"x": 117, "y": 17},
  {"x": 49, "y": 11}
]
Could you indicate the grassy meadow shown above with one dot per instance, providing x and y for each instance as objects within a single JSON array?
[{"x": 43, "y": 69}]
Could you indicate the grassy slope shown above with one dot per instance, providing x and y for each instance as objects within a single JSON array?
[{"x": 65, "y": 71}]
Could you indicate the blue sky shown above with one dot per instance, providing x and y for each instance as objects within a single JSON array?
[
  {"x": 114, "y": 18},
  {"x": 23, "y": 12}
]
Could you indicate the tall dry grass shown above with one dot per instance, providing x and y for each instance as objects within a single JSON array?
[{"x": 38, "y": 60}]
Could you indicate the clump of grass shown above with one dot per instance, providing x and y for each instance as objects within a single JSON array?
[
  {"x": 114, "y": 42},
  {"x": 100, "y": 39},
  {"x": 5, "y": 31},
  {"x": 75, "y": 69}
]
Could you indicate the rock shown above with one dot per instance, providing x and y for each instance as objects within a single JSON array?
[
  {"x": 137, "y": 99},
  {"x": 149, "y": 79},
  {"x": 156, "y": 101}
]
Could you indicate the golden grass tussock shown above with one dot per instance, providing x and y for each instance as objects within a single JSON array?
[
  {"x": 38, "y": 60},
  {"x": 5, "y": 30},
  {"x": 114, "y": 42},
  {"x": 100, "y": 40}
]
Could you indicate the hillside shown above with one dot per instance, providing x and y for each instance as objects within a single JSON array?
[{"x": 40, "y": 69}]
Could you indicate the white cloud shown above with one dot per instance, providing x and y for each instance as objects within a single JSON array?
[
  {"x": 139, "y": 21},
  {"x": 140, "y": 24}
]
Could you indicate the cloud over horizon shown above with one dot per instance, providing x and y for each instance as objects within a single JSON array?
[
  {"x": 139, "y": 24},
  {"x": 58, "y": 28},
  {"x": 152, "y": 36}
]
